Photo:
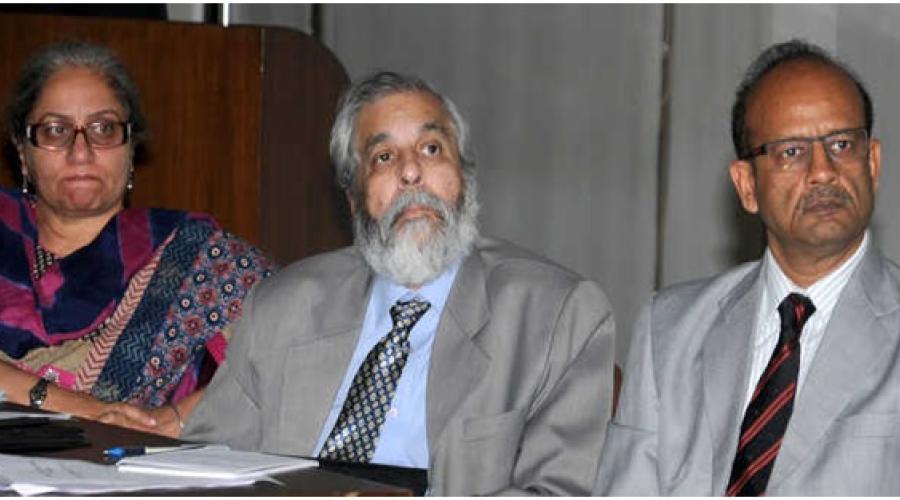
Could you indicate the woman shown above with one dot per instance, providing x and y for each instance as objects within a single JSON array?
[{"x": 104, "y": 309}]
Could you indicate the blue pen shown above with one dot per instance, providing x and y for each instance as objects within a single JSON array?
[{"x": 119, "y": 452}]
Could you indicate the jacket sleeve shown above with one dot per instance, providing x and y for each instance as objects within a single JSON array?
[
  {"x": 628, "y": 465},
  {"x": 565, "y": 428}
]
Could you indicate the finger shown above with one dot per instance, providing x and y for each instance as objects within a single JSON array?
[{"x": 136, "y": 414}]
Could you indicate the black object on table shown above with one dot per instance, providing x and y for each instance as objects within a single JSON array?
[
  {"x": 410, "y": 478},
  {"x": 24, "y": 434}
]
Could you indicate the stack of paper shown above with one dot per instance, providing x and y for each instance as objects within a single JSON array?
[
  {"x": 205, "y": 467},
  {"x": 214, "y": 462},
  {"x": 35, "y": 476}
]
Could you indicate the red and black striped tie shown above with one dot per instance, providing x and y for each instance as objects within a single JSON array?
[{"x": 767, "y": 416}]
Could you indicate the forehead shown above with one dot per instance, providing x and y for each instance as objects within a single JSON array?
[
  {"x": 399, "y": 114},
  {"x": 808, "y": 96},
  {"x": 76, "y": 90}
]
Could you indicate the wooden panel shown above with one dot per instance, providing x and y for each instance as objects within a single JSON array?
[
  {"x": 304, "y": 212},
  {"x": 239, "y": 122},
  {"x": 201, "y": 94}
]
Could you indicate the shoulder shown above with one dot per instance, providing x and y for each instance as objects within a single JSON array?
[
  {"x": 318, "y": 272},
  {"x": 181, "y": 219},
  {"x": 709, "y": 290},
  {"x": 890, "y": 268},
  {"x": 9, "y": 193},
  {"x": 11, "y": 208},
  {"x": 524, "y": 287},
  {"x": 508, "y": 265}
]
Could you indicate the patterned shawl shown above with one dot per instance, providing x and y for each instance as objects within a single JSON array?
[{"x": 150, "y": 297}]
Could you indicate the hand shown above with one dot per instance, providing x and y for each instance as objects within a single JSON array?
[{"x": 162, "y": 420}]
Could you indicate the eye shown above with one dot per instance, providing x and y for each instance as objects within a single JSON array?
[
  {"x": 381, "y": 158},
  {"x": 841, "y": 146},
  {"x": 55, "y": 129},
  {"x": 103, "y": 128},
  {"x": 431, "y": 149},
  {"x": 790, "y": 151}
]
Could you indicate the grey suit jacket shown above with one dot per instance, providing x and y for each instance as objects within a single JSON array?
[
  {"x": 680, "y": 413},
  {"x": 519, "y": 387}
]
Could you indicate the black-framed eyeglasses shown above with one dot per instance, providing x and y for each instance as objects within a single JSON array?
[
  {"x": 60, "y": 135},
  {"x": 842, "y": 146}
]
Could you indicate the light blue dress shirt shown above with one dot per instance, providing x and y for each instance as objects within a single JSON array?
[{"x": 403, "y": 439}]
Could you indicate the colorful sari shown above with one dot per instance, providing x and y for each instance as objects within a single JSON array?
[{"x": 140, "y": 314}]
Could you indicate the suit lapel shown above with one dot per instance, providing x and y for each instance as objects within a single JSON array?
[
  {"x": 725, "y": 371},
  {"x": 457, "y": 362},
  {"x": 337, "y": 324},
  {"x": 856, "y": 345}
]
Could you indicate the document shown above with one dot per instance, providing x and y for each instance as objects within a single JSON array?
[
  {"x": 34, "y": 476},
  {"x": 6, "y": 415},
  {"x": 213, "y": 462}
]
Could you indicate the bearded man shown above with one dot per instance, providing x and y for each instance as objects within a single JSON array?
[{"x": 423, "y": 344}]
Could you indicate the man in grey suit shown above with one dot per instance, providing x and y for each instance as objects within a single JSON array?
[
  {"x": 423, "y": 344},
  {"x": 720, "y": 396}
]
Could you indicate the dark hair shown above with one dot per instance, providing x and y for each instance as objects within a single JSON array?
[
  {"x": 367, "y": 91},
  {"x": 768, "y": 60},
  {"x": 74, "y": 54}
]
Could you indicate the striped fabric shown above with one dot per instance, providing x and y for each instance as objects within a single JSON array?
[
  {"x": 771, "y": 405},
  {"x": 824, "y": 293}
]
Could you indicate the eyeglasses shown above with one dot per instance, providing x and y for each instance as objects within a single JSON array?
[
  {"x": 843, "y": 146},
  {"x": 60, "y": 135}
]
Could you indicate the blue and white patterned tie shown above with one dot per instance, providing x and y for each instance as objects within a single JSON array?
[{"x": 356, "y": 432}]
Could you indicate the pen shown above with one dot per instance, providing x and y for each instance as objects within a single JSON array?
[{"x": 117, "y": 452}]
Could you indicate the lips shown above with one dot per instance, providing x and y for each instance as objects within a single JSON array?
[
  {"x": 416, "y": 212},
  {"x": 824, "y": 206},
  {"x": 81, "y": 178}
]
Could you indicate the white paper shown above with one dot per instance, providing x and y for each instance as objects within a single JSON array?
[
  {"x": 218, "y": 462},
  {"x": 32, "y": 476},
  {"x": 5, "y": 415}
]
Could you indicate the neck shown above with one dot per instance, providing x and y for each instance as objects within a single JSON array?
[
  {"x": 805, "y": 266},
  {"x": 62, "y": 234}
]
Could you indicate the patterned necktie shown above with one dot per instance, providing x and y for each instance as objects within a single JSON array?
[
  {"x": 771, "y": 405},
  {"x": 355, "y": 434}
]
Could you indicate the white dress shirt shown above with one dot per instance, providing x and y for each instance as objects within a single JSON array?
[{"x": 824, "y": 294}]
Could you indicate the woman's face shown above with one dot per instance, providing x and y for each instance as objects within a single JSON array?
[{"x": 78, "y": 181}]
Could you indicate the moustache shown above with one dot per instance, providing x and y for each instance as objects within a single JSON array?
[
  {"x": 416, "y": 198},
  {"x": 824, "y": 195}
]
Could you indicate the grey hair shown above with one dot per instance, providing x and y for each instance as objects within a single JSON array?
[
  {"x": 74, "y": 54},
  {"x": 768, "y": 60},
  {"x": 368, "y": 90}
]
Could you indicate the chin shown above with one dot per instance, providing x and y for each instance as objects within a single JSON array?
[{"x": 421, "y": 230}]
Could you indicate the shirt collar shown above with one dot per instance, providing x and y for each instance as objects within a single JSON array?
[
  {"x": 823, "y": 293},
  {"x": 434, "y": 291}
]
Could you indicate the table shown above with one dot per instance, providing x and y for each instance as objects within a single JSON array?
[{"x": 308, "y": 482}]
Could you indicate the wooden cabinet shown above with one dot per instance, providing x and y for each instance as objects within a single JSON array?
[{"x": 239, "y": 122}]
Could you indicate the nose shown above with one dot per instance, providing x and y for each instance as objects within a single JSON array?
[
  {"x": 80, "y": 151},
  {"x": 410, "y": 172},
  {"x": 822, "y": 169}
]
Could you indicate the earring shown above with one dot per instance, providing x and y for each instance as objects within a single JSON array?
[
  {"x": 130, "y": 185},
  {"x": 24, "y": 184}
]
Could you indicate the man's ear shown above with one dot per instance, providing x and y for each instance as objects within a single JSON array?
[
  {"x": 875, "y": 162},
  {"x": 351, "y": 201},
  {"x": 744, "y": 180}
]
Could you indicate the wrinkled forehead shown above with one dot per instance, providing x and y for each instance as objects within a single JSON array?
[{"x": 395, "y": 113}]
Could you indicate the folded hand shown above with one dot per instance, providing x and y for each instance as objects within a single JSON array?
[{"x": 162, "y": 420}]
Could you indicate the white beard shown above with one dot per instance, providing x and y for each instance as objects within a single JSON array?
[{"x": 421, "y": 249}]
